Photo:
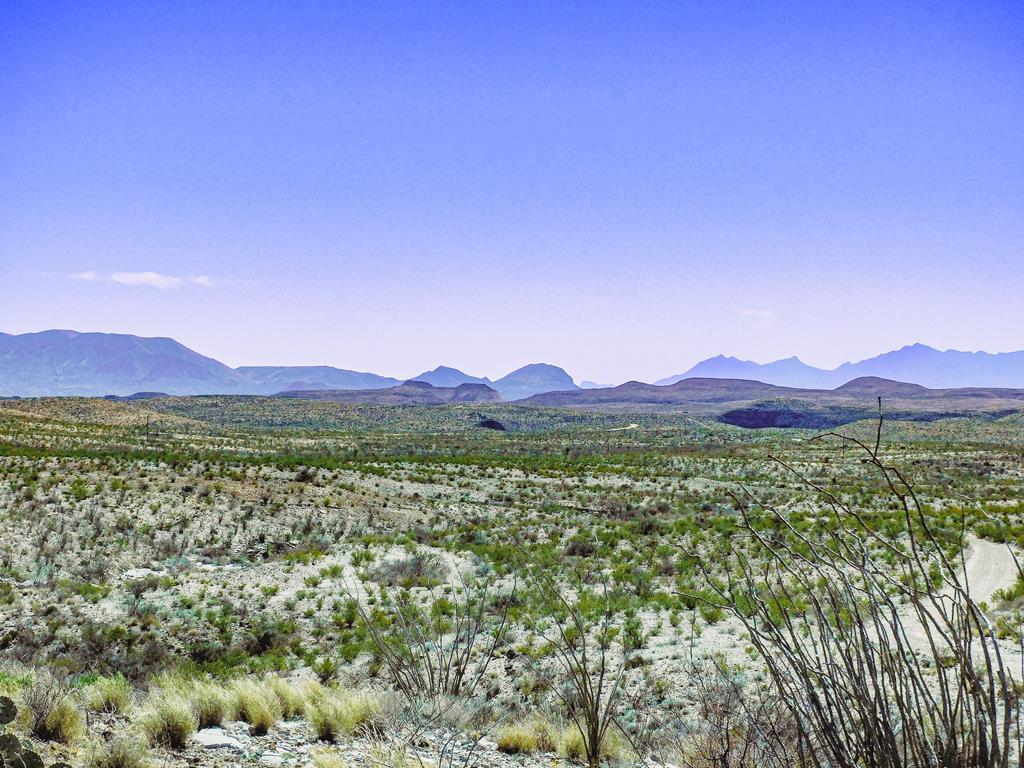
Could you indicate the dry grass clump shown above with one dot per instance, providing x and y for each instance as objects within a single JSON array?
[
  {"x": 527, "y": 737},
  {"x": 51, "y": 712},
  {"x": 396, "y": 756},
  {"x": 257, "y": 704},
  {"x": 343, "y": 713},
  {"x": 211, "y": 704},
  {"x": 122, "y": 752},
  {"x": 63, "y": 724},
  {"x": 112, "y": 695},
  {"x": 570, "y": 744},
  {"x": 290, "y": 697},
  {"x": 572, "y": 747},
  {"x": 313, "y": 691},
  {"x": 168, "y": 721},
  {"x": 324, "y": 759}
]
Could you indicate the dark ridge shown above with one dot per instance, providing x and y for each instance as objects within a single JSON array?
[
  {"x": 407, "y": 393},
  {"x": 873, "y": 385},
  {"x": 491, "y": 424},
  {"x": 135, "y": 396}
]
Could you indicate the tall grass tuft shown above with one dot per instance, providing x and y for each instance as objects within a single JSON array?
[
  {"x": 168, "y": 721},
  {"x": 112, "y": 695},
  {"x": 336, "y": 714},
  {"x": 256, "y": 704}
]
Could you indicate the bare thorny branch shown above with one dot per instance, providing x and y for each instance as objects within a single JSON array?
[
  {"x": 428, "y": 659},
  {"x": 594, "y": 683},
  {"x": 877, "y": 667}
]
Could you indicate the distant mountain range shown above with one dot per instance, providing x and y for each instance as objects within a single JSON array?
[
  {"x": 917, "y": 363},
  {"x": 522, "y": 382},
  {"x": 95, "y": 364},
  {"x": 72, "y": 363}
]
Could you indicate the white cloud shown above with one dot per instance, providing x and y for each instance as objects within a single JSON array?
[
  {"x": 152, "y": 279},
  {"x": 765, "y": 313},
  {"x": 145, "y": 279}
]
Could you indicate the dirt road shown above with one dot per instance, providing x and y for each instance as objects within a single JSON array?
[{"x": 988, "y": 567}]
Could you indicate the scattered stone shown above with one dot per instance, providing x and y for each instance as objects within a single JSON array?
[{"x": 216, "y": 738}]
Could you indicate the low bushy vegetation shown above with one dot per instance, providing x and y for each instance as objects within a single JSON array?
[{"x": 552, "y": 586}]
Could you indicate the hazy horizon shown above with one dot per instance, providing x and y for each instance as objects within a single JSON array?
[
  {"x": 494, "y": 375},
  {"x": 621, "y": 191}
]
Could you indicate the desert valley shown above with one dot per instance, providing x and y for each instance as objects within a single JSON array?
[{"x": 434, "y": 574}]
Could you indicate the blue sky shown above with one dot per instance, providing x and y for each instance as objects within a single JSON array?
[{"x": 621, "y": 189}]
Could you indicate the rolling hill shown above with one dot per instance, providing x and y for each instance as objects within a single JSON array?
[
  {"x": 755, "y": 404},
  {"x": 533, "y": 379},
  {"x": 268, "y": 379},
  {"x": 407, "y": 393}
]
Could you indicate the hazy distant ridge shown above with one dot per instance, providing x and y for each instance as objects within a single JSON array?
[
  {"x": 61, "y": 362},
  {"x": 917, "y": 363},
  {"x": 523, "y": 382}
]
